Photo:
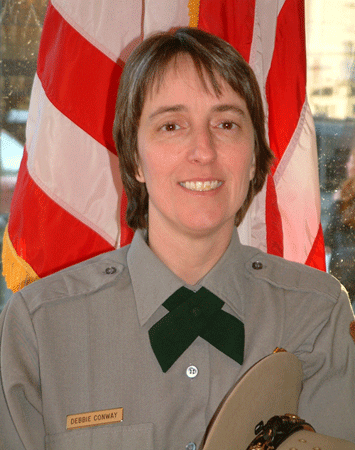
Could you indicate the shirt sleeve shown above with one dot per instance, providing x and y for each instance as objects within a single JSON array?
[
  {"x": 327, "y": 400},
  {"x": 21, "y": 424}
]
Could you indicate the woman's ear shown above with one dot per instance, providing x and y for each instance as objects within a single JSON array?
[
  {"x": 252, "y": 167},
  {"x": 139, "y": 175},
  {"x": 139, "y": 172}
]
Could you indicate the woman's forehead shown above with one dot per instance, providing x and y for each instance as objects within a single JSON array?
[{"x": 183, "y": 66}]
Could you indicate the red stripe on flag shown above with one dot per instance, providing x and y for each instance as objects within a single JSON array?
[
  {"x": 286, "y": 83},
  {"x": 274, "y": 235},
  {"x": 36, "y": 229},
  {"x": 78, "y": 78},
  {"x": 316, "y": 257},
  {"x": 231, "y": 20}
]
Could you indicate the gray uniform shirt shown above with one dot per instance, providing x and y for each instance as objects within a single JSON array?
[{"x": 77, "y": 342}]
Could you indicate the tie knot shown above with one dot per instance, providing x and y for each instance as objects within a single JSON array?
[
  {"x": 200, "y": 303},
  {"x": 192, "y": 314}
]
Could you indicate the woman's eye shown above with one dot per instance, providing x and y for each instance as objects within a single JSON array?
[
  {"x": 227, "y": 125},
  {"x": 170, "y": 127}
]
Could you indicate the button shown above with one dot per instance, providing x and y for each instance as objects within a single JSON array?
[
  {"x": 192, "y": 372},
  {"x": 191, "y": 446},
  {"x": 110, "y": 270},
  {"x": 257, "y": 265}
]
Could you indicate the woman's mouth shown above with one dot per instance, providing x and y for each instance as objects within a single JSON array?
[{"x": 201, "y": 186}]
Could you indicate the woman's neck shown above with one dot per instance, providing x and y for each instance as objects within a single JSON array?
[{"x": 189, "y": 257}]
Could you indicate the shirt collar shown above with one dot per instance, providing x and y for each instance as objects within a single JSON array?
[
  {"x": 227, "y": 278},
  {"x": 153, "y": 282}
]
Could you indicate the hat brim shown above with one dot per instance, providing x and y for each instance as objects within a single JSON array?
[{"x": 271, "y": 387}]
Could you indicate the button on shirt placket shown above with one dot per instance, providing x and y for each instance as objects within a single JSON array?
[
  {"x": 192, "y": 371},
  {"x": 194, "y": 398},
  {"x": 197, "y": 377},
  {"x": 198, "y": 374}
]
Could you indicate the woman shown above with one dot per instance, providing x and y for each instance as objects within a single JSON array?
[{"x": 145, "y": 342}]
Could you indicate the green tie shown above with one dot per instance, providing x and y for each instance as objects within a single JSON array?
[{"x": 192, "y": 315}]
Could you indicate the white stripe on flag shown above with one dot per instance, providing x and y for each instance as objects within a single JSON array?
[
  {"x": 252, "y": 230},
  {"x": 160, "y": 15},
  {"x": 296, "y": 180},
  {"x": 72, "y": 168},
  {"x": 263, "y": 44},
  {"x": 111, "y": 26}
]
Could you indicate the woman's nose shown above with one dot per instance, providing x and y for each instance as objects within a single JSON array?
[{"x": 203, "y": 149}]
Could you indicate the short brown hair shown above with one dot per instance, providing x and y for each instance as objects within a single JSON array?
[{"x": 146, "y": 66}]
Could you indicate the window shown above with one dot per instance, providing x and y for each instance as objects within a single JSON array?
[{"x": 330, "y": 26}]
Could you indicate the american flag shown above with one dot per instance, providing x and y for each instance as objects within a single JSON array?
[{"x": 69, "y": 204}]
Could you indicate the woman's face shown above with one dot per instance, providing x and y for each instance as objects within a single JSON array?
[{"x": 196, "y": 152}]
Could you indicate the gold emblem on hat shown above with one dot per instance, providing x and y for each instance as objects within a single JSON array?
[{"x": 352, "y": 330}]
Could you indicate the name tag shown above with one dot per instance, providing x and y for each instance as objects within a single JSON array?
[{"x": 91, "y": 419}]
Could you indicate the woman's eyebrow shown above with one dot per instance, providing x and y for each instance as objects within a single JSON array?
[
  {"x": 229, "y": 107},
  {"x": 177, "y": 108},
  {"x": 167, "y": 109}
]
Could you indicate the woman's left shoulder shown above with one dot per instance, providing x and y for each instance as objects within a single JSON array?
[{"x": 293, "y": 276}]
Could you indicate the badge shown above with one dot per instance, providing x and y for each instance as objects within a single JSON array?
[{"x": 91, "y": 419}]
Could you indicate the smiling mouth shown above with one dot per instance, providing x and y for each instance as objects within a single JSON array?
[{"x": 201, "y": 186}]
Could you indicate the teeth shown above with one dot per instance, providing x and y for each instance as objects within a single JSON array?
[{"x": 201, "y": 185}]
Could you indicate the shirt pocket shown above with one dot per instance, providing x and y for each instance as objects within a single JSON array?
[{"x": 105, "y": 437}]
